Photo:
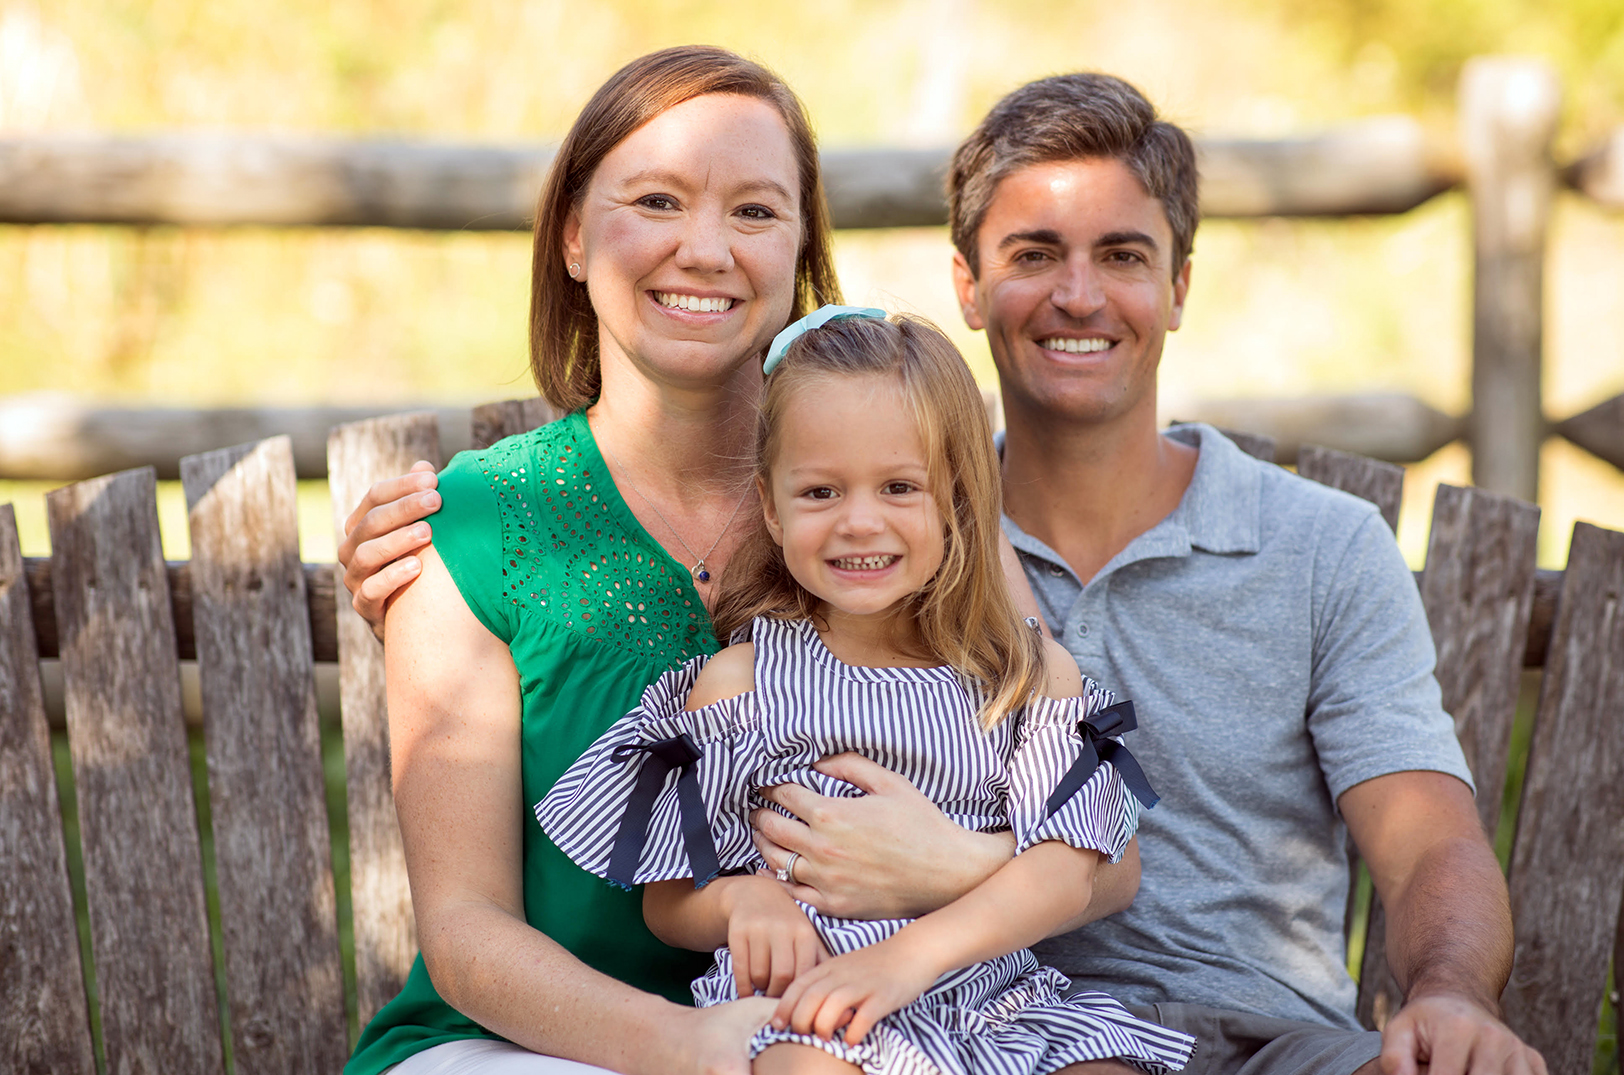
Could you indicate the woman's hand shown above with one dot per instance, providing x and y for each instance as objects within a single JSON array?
[
  {"x": 771, "y": 938},
  {"x": 855, "y": 991},
  {"x": 717, "y": 1040},
  {"x": 381, "y": 534},
  {"x": 887, "y": 854}
]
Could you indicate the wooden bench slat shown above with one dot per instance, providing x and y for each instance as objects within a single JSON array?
[
  {"x": 278, "y": 914},
  {"x": 1567, "y": 860},
  {"x": 493, "y": 421},
  {"x": 1371, "y": 479},
  {"x": 1478, "y": 590},
  {"x": 137, "y": 819},
  {"x": 358, "y": 455},
  {"x": 42, "y": 986}
]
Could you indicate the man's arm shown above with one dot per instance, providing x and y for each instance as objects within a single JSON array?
[
  {"x": 1448, "y": 925},
  {"x": 890, "y": 853}
]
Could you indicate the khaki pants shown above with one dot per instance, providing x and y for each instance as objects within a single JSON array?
[{"x": 1239, "y": 1043}]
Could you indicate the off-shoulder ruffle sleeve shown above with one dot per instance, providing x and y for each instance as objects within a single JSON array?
[
  {"x": 1059, "y": 740},
  {"x": 598, "y": 797}
]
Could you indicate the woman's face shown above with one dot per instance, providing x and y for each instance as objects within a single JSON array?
[{"x": 687, "y": 239}]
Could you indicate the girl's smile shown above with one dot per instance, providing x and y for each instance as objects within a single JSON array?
[{"x": 849, "y": 499}]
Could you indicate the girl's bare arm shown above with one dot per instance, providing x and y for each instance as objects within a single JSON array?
[
  {"x": 455, "y": 747},
  {"x": 1023, "y": 902},
  {"x": 771, "y": 940}
]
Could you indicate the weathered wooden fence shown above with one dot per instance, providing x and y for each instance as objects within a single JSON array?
[
  {"x": 1500, "y": 155},
  {"x": 258, "y": 620}
]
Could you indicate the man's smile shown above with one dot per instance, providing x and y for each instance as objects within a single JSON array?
[{"x": 1074, "y": 346}]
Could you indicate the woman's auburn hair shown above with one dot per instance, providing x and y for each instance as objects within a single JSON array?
[
  {"x": 563, "y": 327},
  {"x": 965, "y": 615}
]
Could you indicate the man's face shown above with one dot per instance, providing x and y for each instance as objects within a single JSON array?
[{"x": 1076, "y": 291}]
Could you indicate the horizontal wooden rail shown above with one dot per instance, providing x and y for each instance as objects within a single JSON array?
[
  {"x": 322, "y": 586},
  {"x": 50, "y": 437},
  {"x": 55, "y": 437},
  {"x": 1600, "y": 173},
  {"x": 1389, "y": 426},
  {"x": 1385, "y": 165}
]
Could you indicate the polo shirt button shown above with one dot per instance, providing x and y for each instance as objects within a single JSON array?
[
  {"x": 1056, "y": 570},
  {"x": 1082, "y": 630}
]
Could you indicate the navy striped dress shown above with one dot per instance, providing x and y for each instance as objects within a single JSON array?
[{"x": 1005, "y": 1015}]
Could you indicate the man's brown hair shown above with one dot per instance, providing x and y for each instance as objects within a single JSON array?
[
  {"x": 1074, "y": 117},
  {"x": 563, "y": 326}
]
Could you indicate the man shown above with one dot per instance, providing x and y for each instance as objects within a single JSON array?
[{"x": 1266, "y": 628}]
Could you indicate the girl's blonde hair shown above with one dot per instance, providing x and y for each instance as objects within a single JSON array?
[{"x": 965, "y": 614}]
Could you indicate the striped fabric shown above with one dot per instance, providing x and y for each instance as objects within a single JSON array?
[{"x": 1004, "y": 1015}]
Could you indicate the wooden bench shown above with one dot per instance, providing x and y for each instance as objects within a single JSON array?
[{"x": 257, "y": 620}]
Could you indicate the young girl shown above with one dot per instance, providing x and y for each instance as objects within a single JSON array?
[{"x": 870, "y": 614}]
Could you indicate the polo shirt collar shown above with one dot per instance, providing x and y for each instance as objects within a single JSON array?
[{"x": 1219, "y": 512}]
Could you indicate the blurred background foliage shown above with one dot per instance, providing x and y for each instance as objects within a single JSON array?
[{"x": 239, "y": 316}]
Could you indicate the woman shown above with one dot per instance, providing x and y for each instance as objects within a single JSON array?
[{"x": 681, "y": 227}]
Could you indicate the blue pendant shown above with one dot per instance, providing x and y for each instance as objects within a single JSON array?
[{"x": 702, "y": 575}]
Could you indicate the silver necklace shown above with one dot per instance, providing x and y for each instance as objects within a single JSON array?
[{"x": 699, "y": 570}]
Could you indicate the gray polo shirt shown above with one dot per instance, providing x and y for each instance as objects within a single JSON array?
[{"x": 1274, "y": 645}]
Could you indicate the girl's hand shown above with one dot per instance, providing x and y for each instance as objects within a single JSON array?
[
  {"x": 855, "y": 991},
  {"x": 771, "y": 939}
]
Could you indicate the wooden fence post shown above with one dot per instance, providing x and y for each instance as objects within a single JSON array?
[{"x": 1509, "y": 111}]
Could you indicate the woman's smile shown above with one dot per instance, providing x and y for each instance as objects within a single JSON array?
[{"x": 695, "y": 304}]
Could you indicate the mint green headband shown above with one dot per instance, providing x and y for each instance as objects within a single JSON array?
[{"x": 816, "y": 319}]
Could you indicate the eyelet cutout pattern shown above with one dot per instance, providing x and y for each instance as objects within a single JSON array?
[{"x": 568, "y": 557}]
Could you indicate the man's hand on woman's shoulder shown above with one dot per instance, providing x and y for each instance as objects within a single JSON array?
[{"x": 380, "y": 537}]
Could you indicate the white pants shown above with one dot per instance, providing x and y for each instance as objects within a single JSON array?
[{"x": 481, "y": 1056}]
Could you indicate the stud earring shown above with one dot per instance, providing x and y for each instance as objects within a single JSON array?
[{"x": 575, "y": 269}]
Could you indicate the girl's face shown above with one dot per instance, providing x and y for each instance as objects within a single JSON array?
[
  {"x": 687, "y": 238},
  {"x": 849, "y": 497}
]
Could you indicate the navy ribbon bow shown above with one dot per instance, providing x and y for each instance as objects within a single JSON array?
[
  {"x": 676, "y": 753},
  {"x": 1098, "y": 746}
]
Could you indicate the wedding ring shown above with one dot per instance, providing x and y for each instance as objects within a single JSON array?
[{"x": 787, "y": 874}]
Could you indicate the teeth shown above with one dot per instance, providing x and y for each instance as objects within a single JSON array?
[
  {"x": 1074, "y": 347},
  {"x": 865, "y": 563},
  {"x": 692, "y": 303}
]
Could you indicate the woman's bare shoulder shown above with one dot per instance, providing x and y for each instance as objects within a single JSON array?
[{"x": 730, "y": 673}]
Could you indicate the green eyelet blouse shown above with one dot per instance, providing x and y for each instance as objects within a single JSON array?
[{"x": 552, "y": 562}]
